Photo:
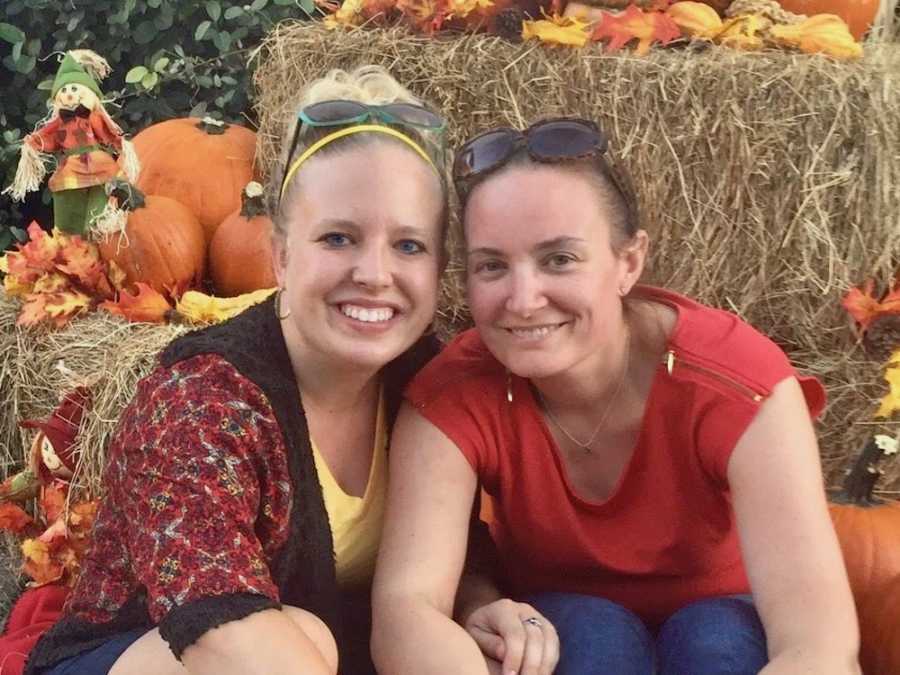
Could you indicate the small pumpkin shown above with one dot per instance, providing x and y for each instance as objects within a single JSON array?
[
  {"x": 868, "y": 528},
  {"x": 858, "y": 14},
  {"x": 879, "y": 619},
  {"x": 162, "y": 243},
  {"x": 204, "y": 164},
  {"x": 240, "y": 253}
]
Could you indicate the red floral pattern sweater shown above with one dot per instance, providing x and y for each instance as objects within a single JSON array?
[
  {"x": 213, "y": 509},
  {"x": 198, "y": 495}
]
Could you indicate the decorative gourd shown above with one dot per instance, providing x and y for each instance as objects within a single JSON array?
[
  {"x": 859, "y": 14},
  {"x": 162, "y": 243},
  {"x": 879, "y": 621},
  {"x": 240, "y": 253},
  {"x": 868, "y": 529},
  {"x": 204, "y": 164},
  {"x": 696, "y": 19}
]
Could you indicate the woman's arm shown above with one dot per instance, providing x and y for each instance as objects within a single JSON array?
[
  {"x": 423, "y": 549},
  {"x": 789, "y": 544}
]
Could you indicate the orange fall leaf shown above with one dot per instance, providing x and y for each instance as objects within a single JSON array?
[
  {"x": 53, "y": 502},
  {"x": 148, "y": 305},
  {"x": 635, "y": 24},
  {"x": 864, "y": 306},
  {"x": 13, "y": 518}
]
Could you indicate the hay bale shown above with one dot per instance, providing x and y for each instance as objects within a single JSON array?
[
  {"x": 769, "y": 182},
  {"x": 102, "y": 351}
]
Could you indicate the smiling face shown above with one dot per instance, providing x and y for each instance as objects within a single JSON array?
[
  {"x": 362, "y": 255},
  {"x": 70, "y": 96},
  {"x": 544, "y": 279}
]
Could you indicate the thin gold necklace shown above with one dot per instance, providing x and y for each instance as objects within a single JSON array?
[{"x": 587, "y": 444}]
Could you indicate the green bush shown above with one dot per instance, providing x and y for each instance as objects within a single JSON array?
[{"x": 170, "y": 58}]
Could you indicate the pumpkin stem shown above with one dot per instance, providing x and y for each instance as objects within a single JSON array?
[
  {"x": 126, "y": 194},
  {"x": 252, "y": 201},
  {"x": 864, "y": 475},
  {"x": 212, "y": 126}
]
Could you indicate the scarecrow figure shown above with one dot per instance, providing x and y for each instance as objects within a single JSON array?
[
  {"x": 83, "y": 137},
  {"x": 52, "y": 451}
]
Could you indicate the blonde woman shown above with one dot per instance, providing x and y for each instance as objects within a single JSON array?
[{"x": 246, "y": 480}]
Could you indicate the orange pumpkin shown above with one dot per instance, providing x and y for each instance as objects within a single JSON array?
[
  {"x": 867, "y": 528},
  {"x": 879, "y": 621},
  {"x": 204, "y": 164},
  {"x": 240, "y": 253},
  {"x": 162, "y": 243},
  {"x": 858, "y": 14}
]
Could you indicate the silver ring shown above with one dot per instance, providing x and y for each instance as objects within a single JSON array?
[{"x": 533, "y": 621}]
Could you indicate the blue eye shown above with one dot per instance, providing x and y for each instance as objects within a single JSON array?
[
  {"x": 335, "y": 240},
  {"x": 410, "y": 246}
]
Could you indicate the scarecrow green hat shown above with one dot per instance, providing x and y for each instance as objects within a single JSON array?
[{"x": 70, "y": 71}]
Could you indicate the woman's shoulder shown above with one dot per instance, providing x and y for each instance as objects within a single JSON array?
[
  {"x": 204, "y": 379},
  {"x": 718, "y": 347},
  {"x": 465, "y": 364}
]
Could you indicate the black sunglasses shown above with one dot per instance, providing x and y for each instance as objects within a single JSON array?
[{"x": 554, "y": 140}]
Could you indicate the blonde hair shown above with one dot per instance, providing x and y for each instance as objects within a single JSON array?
[{"x": 368, "y": 84}]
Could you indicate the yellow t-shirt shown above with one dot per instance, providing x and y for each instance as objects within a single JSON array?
[{"x": 356, "y": 522}]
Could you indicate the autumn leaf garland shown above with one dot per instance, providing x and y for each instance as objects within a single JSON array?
[{"x": 59, "y": 276}]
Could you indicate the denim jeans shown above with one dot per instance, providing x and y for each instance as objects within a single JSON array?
[{"x": 716, "y": 636}]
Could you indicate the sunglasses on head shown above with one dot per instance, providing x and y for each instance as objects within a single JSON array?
[
  {"x": 339, "y": 112},
  {"x": 550, "y": 141},
  {"x": 345, "y": 113}
]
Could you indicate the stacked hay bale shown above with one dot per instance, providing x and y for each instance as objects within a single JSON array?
[{"x": 770, "y": 183}]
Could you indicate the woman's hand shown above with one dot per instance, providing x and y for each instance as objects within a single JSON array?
[{"x": 515, "y": 634}]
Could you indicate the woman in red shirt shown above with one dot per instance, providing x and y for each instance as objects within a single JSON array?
[{"x": 650, "y": 461}]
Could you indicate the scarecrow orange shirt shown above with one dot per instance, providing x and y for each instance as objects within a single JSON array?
[{"x": 79, "y": 136}]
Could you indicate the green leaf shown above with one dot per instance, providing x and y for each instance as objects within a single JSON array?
[
  {"x": 233, "y": 12},
  {"x": 17, "y": 50},
  {"x": 136, "y": 74},
  {"x": 258, "y": 5},
  {"x": 154, "y": 4},
  {"x": 308, "y": 6},
  {"x": 214, "y": 9},
  {"x": 25, "y": 64},
  {"x": 222, "y": 41},
  {"x": 145, "y": 32},
  {"x": 149, "y": 81},
  {"x": 45, "y": 85},
  {"x": 18, "y": 233},
  {"x": 201, "y": 30},
  {"x": 73, "y": 23},
  {"x": 161, "y": 64},
  {"x": 6, "y": 238},
  {"x": 11, "y": 34}
]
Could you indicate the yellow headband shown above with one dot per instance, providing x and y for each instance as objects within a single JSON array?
[{"x": 347, "y": 131}]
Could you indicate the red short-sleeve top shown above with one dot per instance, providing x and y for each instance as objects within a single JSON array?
[{"x": 666, "y": 535}]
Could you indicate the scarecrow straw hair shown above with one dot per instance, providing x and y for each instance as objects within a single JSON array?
[{"x": 770, "y": 183}]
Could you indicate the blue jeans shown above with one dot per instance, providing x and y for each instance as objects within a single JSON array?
[
  {"x": 99, "y": 660},
  {"x": 717, "y": 636}
]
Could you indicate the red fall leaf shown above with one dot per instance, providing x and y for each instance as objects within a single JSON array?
[
  {"x": 635, "y": 24},
  {"x": 148, "y": 305}
]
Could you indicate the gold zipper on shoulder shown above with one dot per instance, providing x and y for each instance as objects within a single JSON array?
[{"x": 669, "y": 361}]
